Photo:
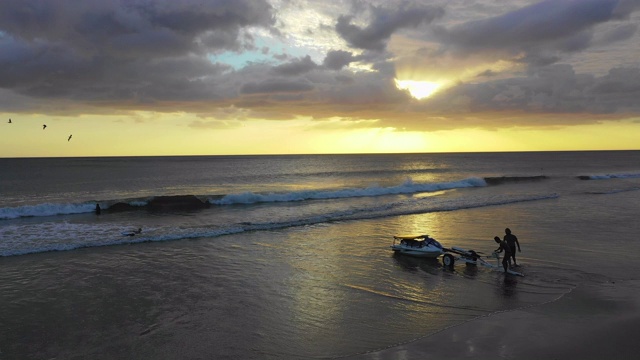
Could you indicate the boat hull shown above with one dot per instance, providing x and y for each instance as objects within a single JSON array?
[{"x": 417, "y": 252}]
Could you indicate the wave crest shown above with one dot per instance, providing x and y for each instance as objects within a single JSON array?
[
  {"x": 408, "y": 187},
  {"x": 192, "y": 202},
  {"x": 45, "y": 210},
  {"x": 609, "y": 176},
  {"x": 511, "y": 179}
]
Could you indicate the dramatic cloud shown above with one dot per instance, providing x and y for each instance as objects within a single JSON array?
[
  {"x": 113, "y": 49},
  {"x": 384, "y": 22},
  {"x": 276, "y": 86},
  {"x": 536, "y": 33},
  {"x": 619, "y": 33},
  {"x": 133, "y": 27},
  {"x": 553, "y": 89},
  {"x": 338, "y": 59},
  {"x": 296, "y": 67},
  {"x": 238, "y": 60}
]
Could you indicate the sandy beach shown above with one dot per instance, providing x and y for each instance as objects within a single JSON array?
[{"x": 589, "y": 322}]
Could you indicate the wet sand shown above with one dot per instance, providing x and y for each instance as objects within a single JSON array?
[{"x": 590, "y": 322}]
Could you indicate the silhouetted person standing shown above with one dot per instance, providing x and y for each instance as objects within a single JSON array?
[
  {"x": 504, "y": 247},
  {"x": 98, "y": 210},
  {"x": 512, "y": 241}
]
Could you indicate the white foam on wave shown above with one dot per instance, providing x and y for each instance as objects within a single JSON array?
[
  {"x": 408, "y": 187},
  {"x": 614, "y": 176},
  {"x": 45, "y": 210},
  {"x": 139, "y": 203},
  {"x": 64, "y": 236},
  {"x": 51, "y": 236},
  {"x": 419, "y": 206},
  {"x": 49, "y": 209},
  {"x": 60, "y": 236},
  {"x": 611, "y": 192}
]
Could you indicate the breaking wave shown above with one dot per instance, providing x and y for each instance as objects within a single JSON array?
[
  {"x": 187, "y": 202},
  {"x": 408, "y": 187},
  {"x": 512, "y": 179},
  {"x": 70, "y": 236},
  {"x": 609, "y": 176}
]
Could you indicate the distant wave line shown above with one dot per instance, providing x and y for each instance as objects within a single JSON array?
[
  {"x": 611, "y": 192},
  {"x": 408, "y": 187},
  {"x": 366, "y": 172},
  {"x": 610, "y": 176},
  {"x": 496, "y": 180},
  {"x": 203, "y": 201},
  {"x": 195, "y": 202},
  {"x": 45, "y": 210},
  {"x": 387, "y": 210}
]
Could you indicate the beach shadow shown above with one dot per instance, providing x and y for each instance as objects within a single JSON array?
[
  {"x": 470, "y": 270},
  {"x": 508, "y": 285}
]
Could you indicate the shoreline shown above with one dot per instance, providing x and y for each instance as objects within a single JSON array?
[{"x": 594, "y": 321}]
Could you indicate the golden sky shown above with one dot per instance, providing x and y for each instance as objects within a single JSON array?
[{"x": 165, "y": 77}]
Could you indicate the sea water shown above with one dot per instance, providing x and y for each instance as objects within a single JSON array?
[{"x": 288, "y": 256}]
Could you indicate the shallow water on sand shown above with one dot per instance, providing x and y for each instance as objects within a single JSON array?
[{"x": 314, "y": 291}]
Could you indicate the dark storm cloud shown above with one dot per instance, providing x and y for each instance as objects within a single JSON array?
[
  {"x": 118, "y": 55},
  {"x": 619, "y": 33},
  {"x": 626, "y": 7},
  {"x": 551, "y": 89},
  {"x": 337, "y": 59},
  {"x": 54, "y": 70},
  {"x": 384, "y": 22},
  {"x": 275, "y": 86},
  {"x": 97, "y": 26},
  {"x": 540, "y": 30},
  {"x": 296, "y": 67},
  {"x": 621, "y": 85},
  {"x": 113, "y": 49}
]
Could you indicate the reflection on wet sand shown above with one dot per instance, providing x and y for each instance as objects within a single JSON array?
[{"x": 431, "y": 266}]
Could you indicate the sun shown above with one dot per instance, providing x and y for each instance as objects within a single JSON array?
[{"x": 418, "y": 89}]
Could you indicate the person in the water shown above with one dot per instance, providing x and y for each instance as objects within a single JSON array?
[
  {"x": 504, "y": 247},
  {"x": 512, "y": 241},
  {"x": 132, "y": 233}
]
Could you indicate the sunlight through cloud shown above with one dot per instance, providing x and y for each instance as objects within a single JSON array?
[{"x": 418, "y": 89}]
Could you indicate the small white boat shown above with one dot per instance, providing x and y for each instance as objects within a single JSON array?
[{"x": 417, "y": 245}]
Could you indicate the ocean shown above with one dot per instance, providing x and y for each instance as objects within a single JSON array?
[{"x": 288, "y": 257}]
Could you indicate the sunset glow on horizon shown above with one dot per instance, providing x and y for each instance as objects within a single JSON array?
[{"x": 273, "y": 77}]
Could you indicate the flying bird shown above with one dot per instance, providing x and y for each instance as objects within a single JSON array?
[
  {"x": 44, "y": 126},
  {"x": 69, "y": 137}
]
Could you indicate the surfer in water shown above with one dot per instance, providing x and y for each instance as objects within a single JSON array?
[
  {"x": 507, "y": 252},
  {"x": 133, "y": 232},
  {"x": 512, "y": 241}
]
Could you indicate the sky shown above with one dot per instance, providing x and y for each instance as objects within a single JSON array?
[{"x": 233, "y": 77}]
